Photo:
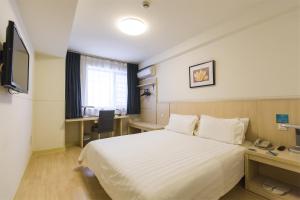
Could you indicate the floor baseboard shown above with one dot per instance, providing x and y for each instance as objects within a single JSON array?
[{"x": 49, "y": 151}]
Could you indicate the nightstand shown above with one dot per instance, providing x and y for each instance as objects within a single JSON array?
[
  {"x": 144, "y": 126},
  {"x": 283, "y": 168}
]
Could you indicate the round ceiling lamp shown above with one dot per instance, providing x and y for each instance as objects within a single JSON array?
[{"x": 132, "y": 26}]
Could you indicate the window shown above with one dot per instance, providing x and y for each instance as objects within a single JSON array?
[{"x": 104, "y": 83}]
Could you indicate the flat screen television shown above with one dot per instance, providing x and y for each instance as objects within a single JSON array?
[{"x": 15, "y": 58}]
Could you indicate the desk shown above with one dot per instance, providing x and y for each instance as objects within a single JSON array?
[
  {"x": 95, "y": 119},
  {"x": 144, "y": 126}
]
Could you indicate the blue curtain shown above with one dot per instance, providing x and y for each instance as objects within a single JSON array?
[
  {"x": 73, "y": 90},
  {"x": 133, "y": 97}
]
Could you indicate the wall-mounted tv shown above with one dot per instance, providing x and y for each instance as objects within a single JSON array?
[{"x": 15, "y": 59}]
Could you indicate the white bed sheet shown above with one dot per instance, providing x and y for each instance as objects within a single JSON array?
[{"x": 160, "y": 165}]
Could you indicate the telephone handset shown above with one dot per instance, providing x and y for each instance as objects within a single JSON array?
[{"x": 265, "y": 144}]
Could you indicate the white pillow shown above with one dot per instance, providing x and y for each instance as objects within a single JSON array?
[
  {"x": 246, "y": 123},
  {"x": 225, "y": 130},
  {"x": 182, "y": 123}
]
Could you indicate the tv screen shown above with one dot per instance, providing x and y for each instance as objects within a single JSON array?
[{"x": 15, "y": 71}]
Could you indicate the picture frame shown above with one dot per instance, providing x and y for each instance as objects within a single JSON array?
[{"x": 203, "y": 74}]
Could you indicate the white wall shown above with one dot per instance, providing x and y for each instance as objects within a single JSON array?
[
  {"x": 49, "y": 103},
  {"x": 257, "y": 61},
  {"x": 15, "y": 116}
]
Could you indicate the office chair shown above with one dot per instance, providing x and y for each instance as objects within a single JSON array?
[{"x": 105, "y": 122}]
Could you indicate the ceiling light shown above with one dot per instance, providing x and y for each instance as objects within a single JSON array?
[{"x": 132, "y": 26}]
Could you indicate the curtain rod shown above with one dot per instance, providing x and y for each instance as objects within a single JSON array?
[{"x": 94, "y": 56}]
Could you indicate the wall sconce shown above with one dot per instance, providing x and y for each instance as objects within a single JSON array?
[{"x": 295, "y": 149}]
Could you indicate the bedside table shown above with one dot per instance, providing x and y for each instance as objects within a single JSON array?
[
  {"x": 144, "y": 126},
  {"x": 283, "y": 168}
]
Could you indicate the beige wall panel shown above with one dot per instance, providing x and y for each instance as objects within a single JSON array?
[
  {"x": 49, "y": 126},
  {"x": 15, "y": 114},
  {"x": 225, "y": 109},
  {"x": 163, "y": 113},
  {"x": 267, "y": 120},
  {"x": 49, "y": 101},
  {"x": 148, "y": 115},
  {"x": 261, "y": 113},
  {"x": 148, "y": 102},
  {"x": 49, "y": 78}
]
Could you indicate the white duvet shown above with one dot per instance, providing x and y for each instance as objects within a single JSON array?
[{"x": 161, "y": 165}]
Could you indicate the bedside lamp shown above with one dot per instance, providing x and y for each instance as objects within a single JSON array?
[{"x": 295, "y": 149}]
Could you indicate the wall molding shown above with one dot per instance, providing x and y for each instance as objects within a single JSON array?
[
  {"x": 292, "y": 97},
  {"x": 260, "y": 112},
  {"x": 48, "y": 151}
]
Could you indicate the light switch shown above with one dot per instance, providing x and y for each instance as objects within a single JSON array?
[{"x": 282, "y": 118}]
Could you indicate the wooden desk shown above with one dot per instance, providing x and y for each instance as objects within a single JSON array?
[
  {"x": 144, "y": 126},
  {"x": 95, "y": 119}
]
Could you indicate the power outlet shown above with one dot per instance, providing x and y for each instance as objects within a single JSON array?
[{"x": 281, "y": 128}]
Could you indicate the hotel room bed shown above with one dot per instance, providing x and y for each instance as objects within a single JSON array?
[{"x": 163, "y": 164}]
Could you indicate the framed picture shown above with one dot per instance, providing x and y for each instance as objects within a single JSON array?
[{"x": 202, "y": 74}]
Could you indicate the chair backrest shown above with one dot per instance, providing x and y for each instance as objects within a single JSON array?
[{"x": 106, "y": 121}]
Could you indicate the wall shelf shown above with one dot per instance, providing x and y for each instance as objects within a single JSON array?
[
  {"x": 152, "y": 78},
  {"x": 146, "y": 84}
]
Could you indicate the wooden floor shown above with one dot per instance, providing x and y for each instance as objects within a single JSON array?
[{"x": 56, "y": 176}]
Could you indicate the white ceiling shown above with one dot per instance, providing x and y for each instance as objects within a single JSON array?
[
  {"x": 48, "y": 23},
  {"x": 170, "y": 23},
  {"x": 89, "y": 26}
]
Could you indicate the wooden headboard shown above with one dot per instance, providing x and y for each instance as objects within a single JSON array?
[{"x": 261, "y": 113}]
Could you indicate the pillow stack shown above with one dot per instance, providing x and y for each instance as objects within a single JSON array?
[{"x": 224, "y": 130}]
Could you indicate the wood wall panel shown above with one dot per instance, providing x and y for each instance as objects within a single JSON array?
[
  {"x": 225, "y": 109},
  {"x": 267, "y": 121},
  {"x": 148, "y": 115},
  {"x": 148, "y": 103},
  {"x": 163, "y": 113},
  {"x": 261, "y": 113}
]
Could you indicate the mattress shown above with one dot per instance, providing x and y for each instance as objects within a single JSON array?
[{"x": 162, "y": 164}]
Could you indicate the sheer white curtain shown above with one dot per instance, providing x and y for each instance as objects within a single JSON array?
[{"x": 103, "y": 84}]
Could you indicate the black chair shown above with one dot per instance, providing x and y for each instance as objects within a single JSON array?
[{"x": 105, "y": 122}]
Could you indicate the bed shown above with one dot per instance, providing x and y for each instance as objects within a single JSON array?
[{"x": 163, "y": 164}]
